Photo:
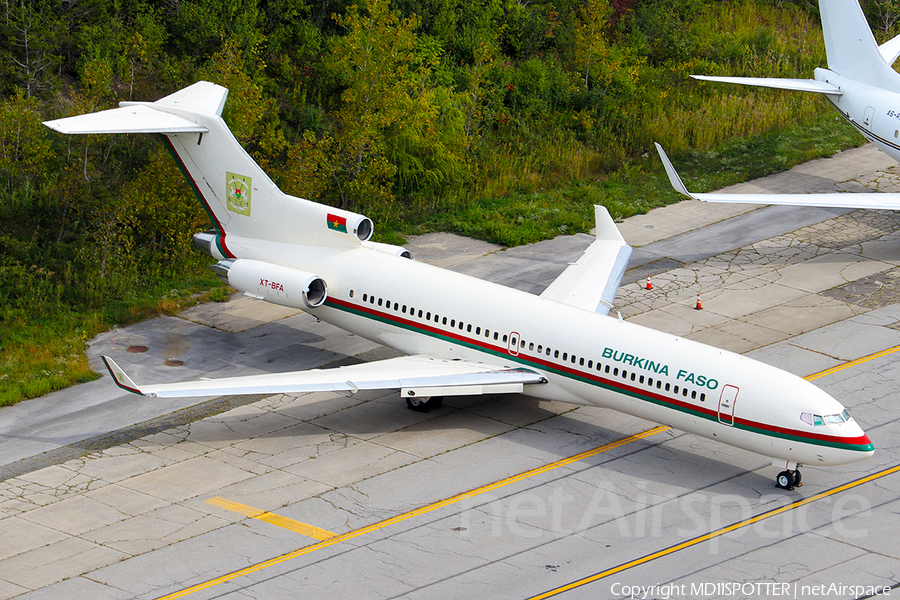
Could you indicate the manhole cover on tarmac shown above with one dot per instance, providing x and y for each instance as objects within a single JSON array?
[
  {"x": 136, "y": 349},
  {"x": 171, "y": 362}
]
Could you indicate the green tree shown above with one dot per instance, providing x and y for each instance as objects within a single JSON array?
[{"x": 25, "y": 150}]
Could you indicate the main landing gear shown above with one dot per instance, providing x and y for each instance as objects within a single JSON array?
[
  {"x": 789, "y": 478},
  {"x": 424, "y": 404}
]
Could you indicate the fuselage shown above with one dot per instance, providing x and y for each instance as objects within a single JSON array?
[
  {"x": 586, "y": 358},
  {"x": 873, "y": 110}
]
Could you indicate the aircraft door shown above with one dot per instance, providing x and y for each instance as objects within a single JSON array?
[
  {"x": 513, "y": 346},
  {"x": 867, "y": 121},
  {"x": 726, "y": 404}
]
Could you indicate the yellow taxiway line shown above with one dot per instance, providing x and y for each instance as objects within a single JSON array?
[
  {"x": 330, "y": 541},
  {"x": 271, "y": 518},
  {"x": 413, "y": 513},
  {"x": 852, "y": 363},
  {"x": 713, "y": 534}
]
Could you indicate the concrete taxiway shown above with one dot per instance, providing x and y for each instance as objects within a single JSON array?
[{"x": 109, "y": 495}]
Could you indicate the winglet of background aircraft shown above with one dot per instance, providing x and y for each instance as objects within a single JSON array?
[{"x": 878, "y": 201}]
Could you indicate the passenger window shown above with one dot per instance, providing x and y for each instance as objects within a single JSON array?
[
  {"x": 580, "y": 362},
  {"x": 452, "y": 322},
  {"x": 444, "y": 321},
  {"x": 497, "y": 335},
  {"x": 667, "y": 387},
  {"x": 641, "y": 380},
  {"x": 468, "y": 329},
  {"x": 702, "y": 397},
  {"x": 675, "y": 390},
  {"x": 404, "y": 309},
  {"x": 365, "y": 297},
  {"x": 478, "y": 331},
  {"x": 351, "y": 293},
  {"x": 694, "y": 395},
  {"x": 504, "y": 338},
  {"x": 379, "y": 302},
  {"x": 590, "y": 364},
  {"x": 556, "y": 354},
  {"x": 531, "y": 346}
]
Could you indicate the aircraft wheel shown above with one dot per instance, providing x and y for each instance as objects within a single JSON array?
[
  {"x": 785, "y": 480},
  {"x": 797, "y": 478},
  {"x": 418, "y": 404}
]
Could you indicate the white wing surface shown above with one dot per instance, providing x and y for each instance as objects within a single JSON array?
[
  {"x": 874, "y": 201},
  {"x": 591, "y": 282},
  {"x": 414, "y": 375},
  {"x": 795, "y": 85}
]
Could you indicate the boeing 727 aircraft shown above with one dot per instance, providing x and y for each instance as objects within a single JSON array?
[
  {"x": 859, "y": 82},
  {"x": 462, "y": 335}
]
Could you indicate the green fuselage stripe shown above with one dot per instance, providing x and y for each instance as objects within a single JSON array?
[{"x": 576, "y": 375}]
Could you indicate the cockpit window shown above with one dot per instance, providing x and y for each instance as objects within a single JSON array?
[{"x": 817, "y": 420}]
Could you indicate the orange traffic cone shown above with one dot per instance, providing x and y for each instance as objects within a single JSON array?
[
  {"x": 649, "y": 285},
  {"x": 699, "y": 306}
]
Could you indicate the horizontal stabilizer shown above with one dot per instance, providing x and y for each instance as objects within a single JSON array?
[
  {"x": 137, "y": 118},
  {"x": 419, "y": 373},
  {"x": 890, "y": 50},
  {"x": 591, "y": 282},
  {"x": 875, "y": 201},
  {"x": 166, "y": 115},
  {"x": 795, "y": 85}
]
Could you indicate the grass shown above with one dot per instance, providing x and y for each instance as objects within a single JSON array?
[
  {"x": 522, "y": 218},
  {"x": 42, "y": 351}
]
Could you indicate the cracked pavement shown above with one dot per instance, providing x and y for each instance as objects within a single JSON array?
[{"x": 128, "y": 518}]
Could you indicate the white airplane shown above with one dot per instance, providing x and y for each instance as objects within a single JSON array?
[
  {"x": 859, "y": 81},
  {"x": 462, "y": 335}
]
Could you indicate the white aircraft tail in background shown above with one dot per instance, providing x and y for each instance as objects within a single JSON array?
[
  {"x": 859, "y": 81},
  {"x": 462, "y": 335}
]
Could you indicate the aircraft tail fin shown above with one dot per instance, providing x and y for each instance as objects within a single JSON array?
[
  {"x": 850, "y": 45},
  {"x": 240, "y": 199}
]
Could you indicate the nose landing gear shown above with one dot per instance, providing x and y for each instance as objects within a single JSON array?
[{"x": 790, "y": 477}]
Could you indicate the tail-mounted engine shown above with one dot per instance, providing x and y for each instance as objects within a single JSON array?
[{"x": 276, "y": 284}]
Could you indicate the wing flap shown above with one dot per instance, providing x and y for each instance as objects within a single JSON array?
[
  {"x": 591, "y": 282},
  {"x": 419, "y": 373},
  {"x": 874, "y": 201}
]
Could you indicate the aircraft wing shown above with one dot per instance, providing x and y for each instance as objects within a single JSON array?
[
  {"x": 591, "y": 282},
  {"x": 796, "y": 85},
  {"x": 414, "y": 375},
  {"x": 875, "y": 200}
]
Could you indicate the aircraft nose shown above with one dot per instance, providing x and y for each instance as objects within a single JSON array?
[{"x": 859, "y": 447}]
